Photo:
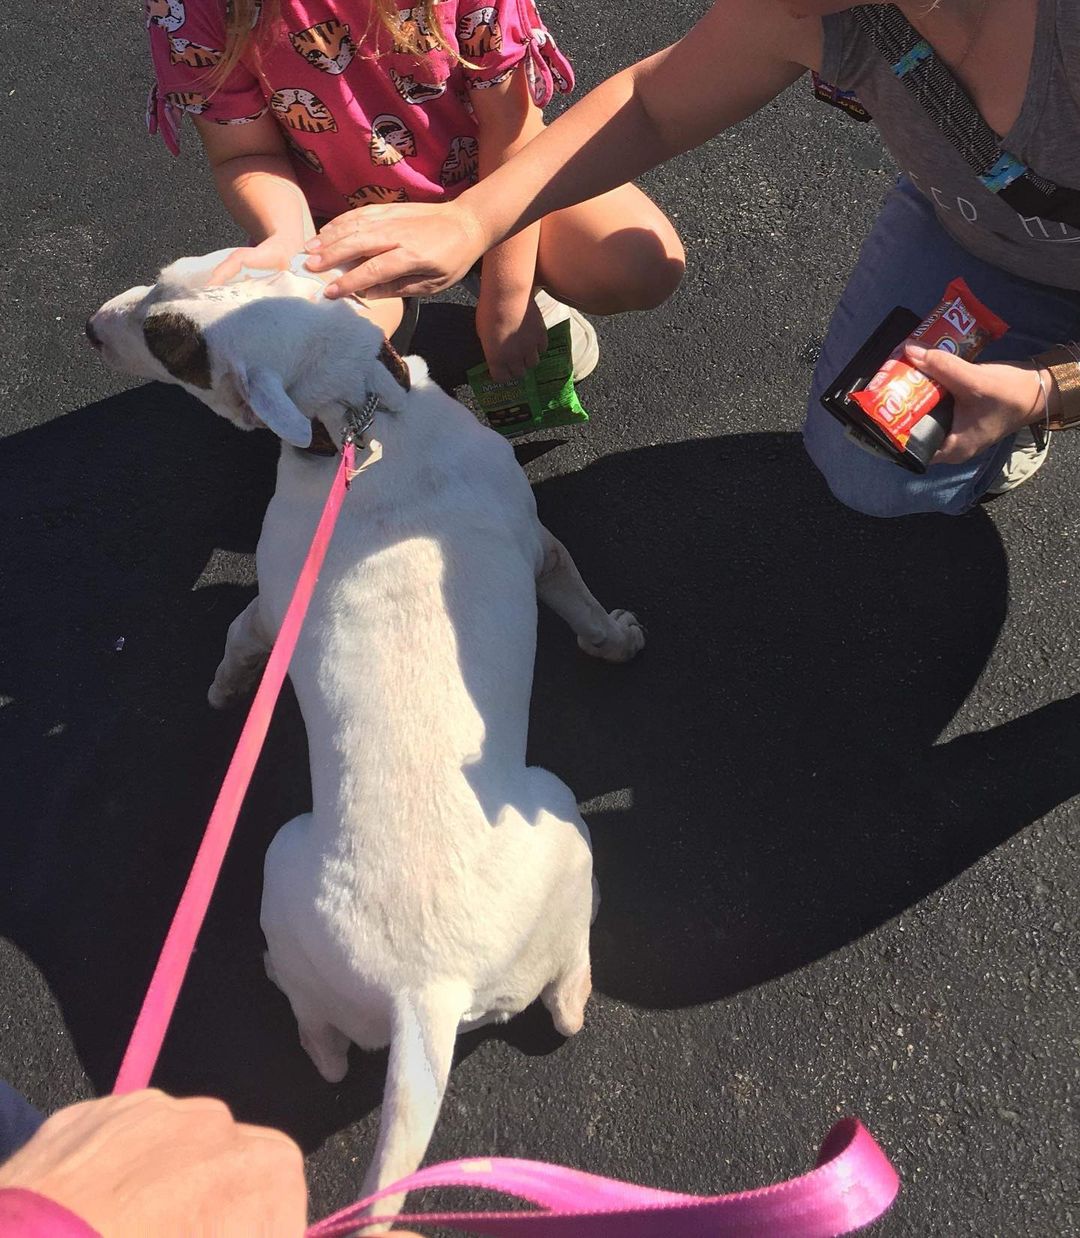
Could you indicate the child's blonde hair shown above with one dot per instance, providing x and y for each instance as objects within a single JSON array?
[{"x": 245, "y": 17}]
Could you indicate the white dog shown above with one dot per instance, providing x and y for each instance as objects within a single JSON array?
[{"x": 439, "y": 882}]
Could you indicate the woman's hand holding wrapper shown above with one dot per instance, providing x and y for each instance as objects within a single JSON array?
[
  {"x": 400, "y": 250},
  {"x": 991, "y": 400}
]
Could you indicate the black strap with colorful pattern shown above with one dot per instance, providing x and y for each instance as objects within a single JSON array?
[{"x": 932, "y": 84}]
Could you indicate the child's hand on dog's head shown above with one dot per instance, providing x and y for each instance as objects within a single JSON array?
[{"x": 273, "y": 254}]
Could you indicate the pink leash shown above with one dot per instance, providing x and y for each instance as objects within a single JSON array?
[
  {"x": 852, "y": 1185},
  {"x": 144, "y": 1046}
]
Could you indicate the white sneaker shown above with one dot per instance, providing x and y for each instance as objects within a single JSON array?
[
  {"x": 584, "y": 346},
  {"x": 1028, "y": 455}
]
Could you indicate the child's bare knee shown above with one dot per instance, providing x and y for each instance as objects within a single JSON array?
[
  {"x": 651, "y": 267},
  {"x": 663, "y": 276}
]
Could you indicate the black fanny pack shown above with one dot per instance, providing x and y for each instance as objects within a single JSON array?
[{"x": 932, "y": 84}]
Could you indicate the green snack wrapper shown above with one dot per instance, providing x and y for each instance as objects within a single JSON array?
[{"x": 542, "y": 398}]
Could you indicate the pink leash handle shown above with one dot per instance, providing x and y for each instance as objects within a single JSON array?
[
  {"x": 853, "y": 1184},
  {"x": 143, "y": 1048}
]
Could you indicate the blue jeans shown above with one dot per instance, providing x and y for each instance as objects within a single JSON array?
[
  {"x": 18, "y": 1120},
  {"x": 907, "y": 259}
]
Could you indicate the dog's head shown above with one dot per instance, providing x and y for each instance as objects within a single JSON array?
[{"x": 262, "y": 350}]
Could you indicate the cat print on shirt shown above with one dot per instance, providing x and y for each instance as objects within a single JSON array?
[
  {"x": 391, "y": 141},
  {"x": 328, "y": 45},
  {"x": 493, "y": 81},
  {"x": 462, "y": 163},
  {"x": 416, "y": 35},
  {"x": 375, "y": 195},
  {"x": 192, "y": 102},
  {"x": 542, "y": 38},
  {"x": 478, "y": 33},
  {"x": 389, "y": 128},
  {"x": 169, "y": 15},
  {"x": 240, "y": 120},
  {"x": 302, "y": 110},
  {"x": 194, "y": 55},
  {"x": 416, "y": 92}
]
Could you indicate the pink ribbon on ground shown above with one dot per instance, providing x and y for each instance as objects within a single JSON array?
[
  {"x": 853, "y": 1184},
  {"x": 143, "y": 1048}
]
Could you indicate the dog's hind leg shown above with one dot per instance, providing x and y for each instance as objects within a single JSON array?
[
  {"x": 615, "y": 637},
  {"x": 289, "y": 884},
  {"x": 246, "y": 650},
  {"x": 567, "y": 996},
  {"x": 327, "y": 1047}
]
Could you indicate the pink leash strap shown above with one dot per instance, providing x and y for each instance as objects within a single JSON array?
[
  {"x": 853, "y": 1184},
  {"x": 144, "y": 1046}
]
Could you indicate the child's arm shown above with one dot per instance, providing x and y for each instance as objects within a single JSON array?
[
  {"x": 509, "y": 324},
  {"x": 258, "y": 187},
  {"x": 739, "y": 56},
  {"x": 242, "y": 139}
]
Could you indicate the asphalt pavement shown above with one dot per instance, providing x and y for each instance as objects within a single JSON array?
[{"x": 832, "y": 804}]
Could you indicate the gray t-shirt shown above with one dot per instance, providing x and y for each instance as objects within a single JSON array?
[{"x": 1046, "y": 136}]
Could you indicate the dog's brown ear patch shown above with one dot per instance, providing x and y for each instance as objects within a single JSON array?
[
  {"x": 180, "y": 347},
  {"x": 321, "y": 443},
  {"x": 393, "y": 361}
]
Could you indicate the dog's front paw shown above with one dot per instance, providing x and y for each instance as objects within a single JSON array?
[
  {"x": 221, "y": 697},
  {"x": 623, "y": 640}
]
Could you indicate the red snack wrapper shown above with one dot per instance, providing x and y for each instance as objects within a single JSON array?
[{"x": 899, "y": 395}]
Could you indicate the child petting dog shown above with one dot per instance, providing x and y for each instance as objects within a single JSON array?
[{"x": 376, "y": 101}]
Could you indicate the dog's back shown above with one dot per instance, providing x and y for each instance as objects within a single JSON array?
[{"x": 436, "y": 874}]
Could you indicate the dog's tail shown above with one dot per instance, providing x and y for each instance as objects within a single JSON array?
[{"x": 421, "y": 1048}]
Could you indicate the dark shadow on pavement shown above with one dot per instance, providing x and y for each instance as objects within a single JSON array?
[
  {"x": 446, "y": 338},
  {"x": 777, "y": 735}
]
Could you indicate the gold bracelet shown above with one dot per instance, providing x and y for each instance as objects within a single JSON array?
[{"x": 1063, "y": 366}]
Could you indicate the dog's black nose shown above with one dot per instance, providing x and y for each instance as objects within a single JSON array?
[{"x": 91, "y": 334}]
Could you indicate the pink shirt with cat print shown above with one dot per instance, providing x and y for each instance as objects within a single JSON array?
[{"x": 360, "y": 129}]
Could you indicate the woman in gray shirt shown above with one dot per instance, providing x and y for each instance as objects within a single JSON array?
[{"x": 1017, "y": 65}]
